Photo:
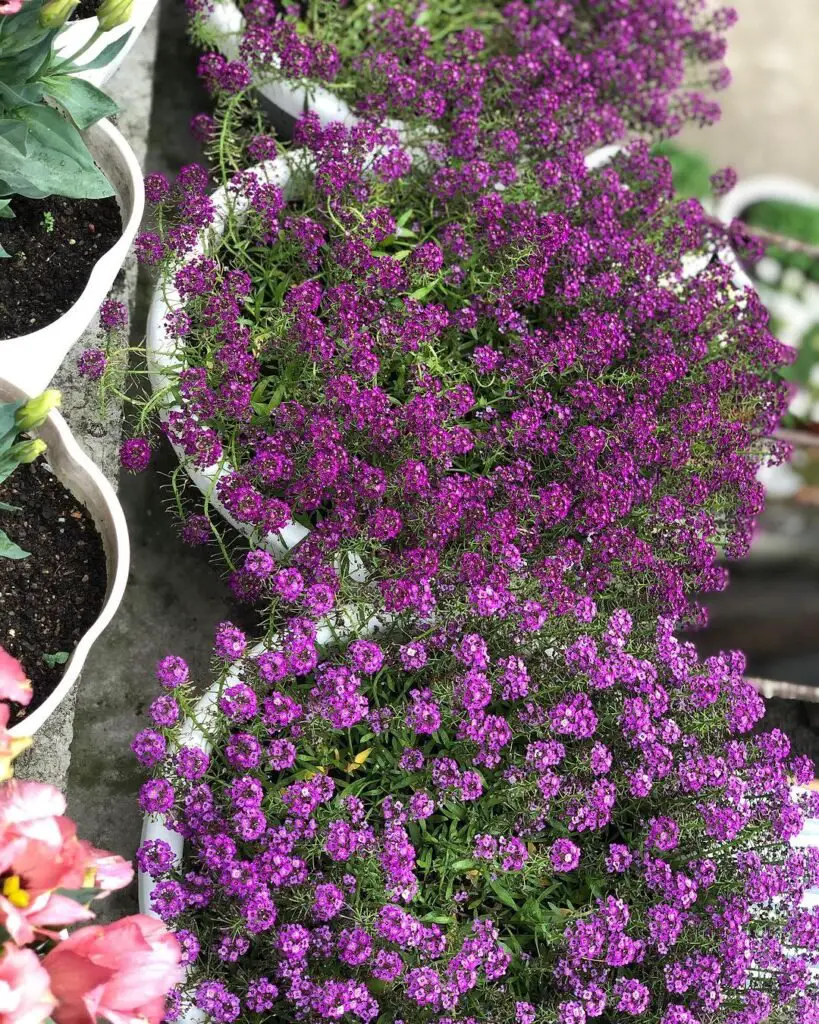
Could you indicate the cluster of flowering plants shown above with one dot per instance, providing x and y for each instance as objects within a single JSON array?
[
  {"x": 511, "y": 404},
  {"x": 546, "y": 72},
  {"x": 48, "y": 879},
  {"x": 519, "y": 389},
  {"x": 443, "y": 830}
]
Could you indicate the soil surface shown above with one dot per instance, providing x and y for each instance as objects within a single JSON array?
[
  {"x": 49, "y": 600},
  {"x": 86, "y": 9},
  {"x": 53, "y": 244}
]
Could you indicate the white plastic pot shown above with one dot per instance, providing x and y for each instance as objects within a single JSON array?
[
  {"x": 77, "y": 33},
  {"x": 31, "y": 360},
  {"x": 78, "y": 474},
  {"x": 166, "y": 358},
  {"x": 797, "y": 314}
]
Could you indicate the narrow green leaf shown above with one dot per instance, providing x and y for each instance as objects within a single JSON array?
[
  {"x": 4, "y": 507},
  {"x": 503, "y": 894},
  {"x": 464, "y": 865},
  {"x": 106, "y": 54}
]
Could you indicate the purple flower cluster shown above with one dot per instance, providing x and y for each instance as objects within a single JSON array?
[
  {"x": 625, "y": 850},
  {"x": 548, "y": 70},
  {"x": 523, "y": 396},
  {"x": 473, "y": 774}
]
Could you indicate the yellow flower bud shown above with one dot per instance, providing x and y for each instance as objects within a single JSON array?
[
  {"x": 55, "y": 13},
  {"x": 35, "y": 411},
  {"x": 114, "y": 13},
  {"x": 27, "y": 451}
]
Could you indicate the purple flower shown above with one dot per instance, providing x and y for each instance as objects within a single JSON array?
[
  {"x": 135, "y": 454},
  {"x": 172, "y": 671},
  {"x": 230, "y": 643},
  {"x": 564, "y": 855},
  {"x": 156, "y": 796},
  {"x": 113, "y": 315},
  {"x": 92, "y": 362}
]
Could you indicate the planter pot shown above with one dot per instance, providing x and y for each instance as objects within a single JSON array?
[
  {"x": 795, "y": 312},
  {"x": 166, "y": 357},
  {"x": 80, "y": 476},
  {"x": 77, "y": 33},
  {"x": 31, "y": 360}
]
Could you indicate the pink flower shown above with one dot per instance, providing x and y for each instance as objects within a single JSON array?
[
  {"x": 121, "y": 972},
  {"x": 13, "y": 682},
  {"x": 39, "y": 854},
  {"x": 25, "y": 993},
  {"x": 10, "y": 6}
]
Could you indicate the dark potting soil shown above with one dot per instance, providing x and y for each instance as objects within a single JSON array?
[
  {"x": 53, "y": 244},
  {"x": 49, "y": 600},
  {"x": 86, "y": 9}
]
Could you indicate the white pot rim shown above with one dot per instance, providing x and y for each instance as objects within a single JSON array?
[
  {"x": 77, "y": 33},
  {"x": 765, "y": 187},
  {"x": 166, "y": 358},
  {"x": 17, "y": 363},
  {"x": 117, "y": 559}
]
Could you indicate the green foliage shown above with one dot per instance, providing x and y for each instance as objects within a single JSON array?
[
  {"x": 16, "y": 417},
  {"x": 690, "y": 170},
  {"x": 43, "y": 109},
  {"x": 784, "y": 218}
]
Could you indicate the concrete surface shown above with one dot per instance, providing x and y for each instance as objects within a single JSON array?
[
  {"x": 175, "y": 597},
  {"x": 771, "y": 110}
]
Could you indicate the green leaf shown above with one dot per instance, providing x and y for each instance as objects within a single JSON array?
[
  {"x": 8, "y": 549},
  {"x": 6, "y": 212},
  {"x": 84, "y": 102},
  {"x": 421, "y": 293},
  {"x": 23, "y": 95},
  {"x": 42, "y": 154},
  {"x": 8, "y": 427},
  {"x": 4, "y": 507},
  {"x": 60, "y": 658},
  {"x": 106, "y": 54},
  {"x": 503, "y": 894},
  {"x": 464, "y": 865}
]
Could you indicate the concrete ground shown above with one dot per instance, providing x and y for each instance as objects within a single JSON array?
[
  {"x": 175, "y": 597},
  {"x": 771, "y": 110}
]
